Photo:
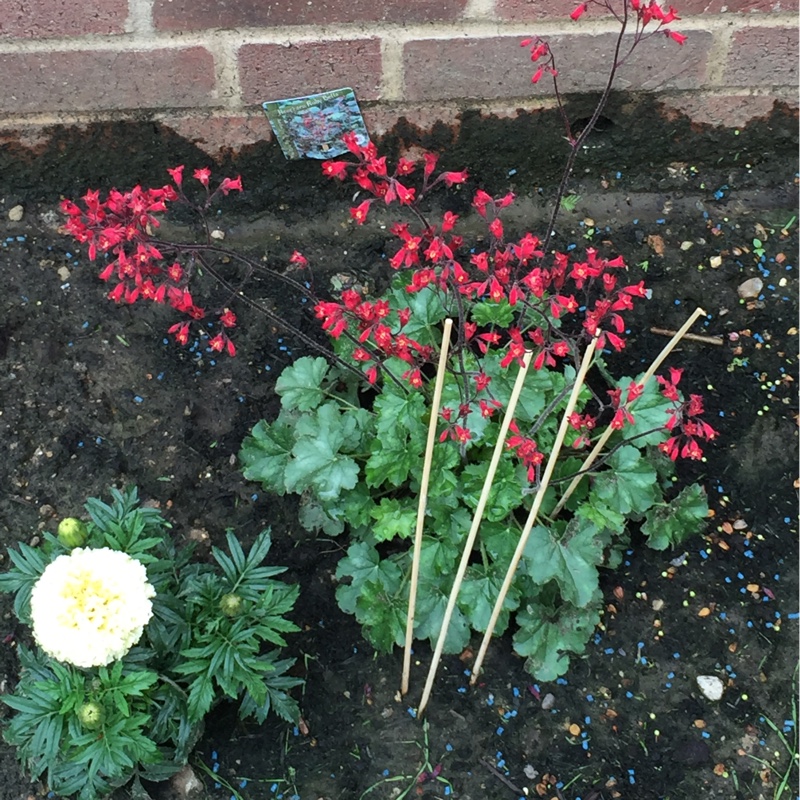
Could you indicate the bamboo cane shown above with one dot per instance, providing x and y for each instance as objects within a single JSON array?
[
  {"x": 423, "y": 500},
  {"x": 537, "y": 502},
  {"x": 473, "y": 531},
  {"x": 601, "y": 442}
]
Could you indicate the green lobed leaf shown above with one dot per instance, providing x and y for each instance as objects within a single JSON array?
[
  {"x": 266, "y": 452},
  {"x": 317, "y": 462},
  {"x": 382, "y": 615},
  {"x": 547, "y": 636},
  {"x": 505, "y": 494},
  {"x": 393, "y": 520},
  {"x": 479, "y": 592},
  {"x": 670, "y": 525},
  {"x": 300, "y": 385},
  {"x": 363, "y": 564},
  {"x": 570, "y": 560},
  {"x": 490, "y": 313},
  {"x": 629, "y": 485}
]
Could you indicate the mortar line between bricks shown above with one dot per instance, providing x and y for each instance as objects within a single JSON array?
[
  {"x": 503, "y": 106},
  {"x": 227, "y": 80},
  {"x": 140, "y": 18},
  {"x": 480, "y": 9},
  {"x": 393, "y": 77},
  {"x": 717, "y": 58},
  {"x": 477, "y": 29}
]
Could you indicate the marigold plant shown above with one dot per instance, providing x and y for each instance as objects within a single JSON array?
[{"x": 135, "y": 643}]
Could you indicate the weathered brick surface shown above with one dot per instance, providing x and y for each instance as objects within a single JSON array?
[
  {"x": 273, "y": 72},
  {"x": 521, "y": 10},
  {"x": 198, "y": 14},
  {"x": 763, "y": 57},
  {"x": 215, "y": 134},
  {"x": 535, "y": 10},
  {"x": 687, "y": 8},
  {"x": 724, "y": 110},
  {"x": 106, "y": 80},
  {"x": 48, "y": 18},
  {"x": 498, "y": 67}
]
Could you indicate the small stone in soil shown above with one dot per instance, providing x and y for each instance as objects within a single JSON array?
[{"x": 710, "y": 686}]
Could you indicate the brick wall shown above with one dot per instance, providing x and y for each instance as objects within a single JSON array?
[{"x": 204, "y": 66}]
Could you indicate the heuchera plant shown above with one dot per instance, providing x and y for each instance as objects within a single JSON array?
[
  {"x": 90, "y": 725},
  {"x": 357, "y": 463},
  {"x": 355, "y": 457}
]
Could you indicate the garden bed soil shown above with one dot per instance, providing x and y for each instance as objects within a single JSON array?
[{"x": 93, "y": 396}]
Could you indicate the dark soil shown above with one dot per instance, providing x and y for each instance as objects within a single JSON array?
[{"x": 92, "y": 396}]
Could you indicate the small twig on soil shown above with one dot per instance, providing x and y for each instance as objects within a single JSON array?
[
  {"x": 501, "y": 777},
  {"x": 695, "y": 337}
]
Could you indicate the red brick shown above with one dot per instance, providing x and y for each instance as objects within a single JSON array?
[
  {"x": 535, "y": 10},
  {"x": 688, "y": 8},
  {"x": 188, "y": 15},
  {"x": 763, "y": 57},
  {"x": 106, "y": 80},
  {"x": 47, "y": 18},
  {"x": 498, "y": 67},
  {"x": 725, "y": 110},
  {"x": 214, "y": 134},
  {"x": 273, "y": 72}
]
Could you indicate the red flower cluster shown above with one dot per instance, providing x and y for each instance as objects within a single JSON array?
[
  {"x": 122, "y": 226},
  {"x": 684, "y": 418},
  {"x": 646, "y": 11},
  {"x": 525, "y": 450}
]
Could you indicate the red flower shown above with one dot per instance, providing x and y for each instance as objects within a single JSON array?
[
  {"x": 298, "y": 258},
  {"x": 430, "y": 163},
  {"x": 335, "y": 169},
  {"x": 404, "y": 194},
  {"x": 203, "y": 175},
  {"x": 578, "y": 12},
  {"x": 405, "y": 167},
  {"x": 461, "y": 435},
  {"x": 448, "y": 221},
  {"x": 452, "y": 178},
  {"x": 675, "y": 36},
  {"x": 414, "y": 377},
  {"x": 228, "y": 318},
  {"x": 176, "y": 173},
  {"x": 480, "y": 201},
  {"x": 175, "y": 272},
  {"x": 496, "y": 228},
  {"x": 229, "y": 185},
  {"x": 181, "y": 331},
  {"x": 635, "y": 390},
  {"x": 359, "y": 213}
]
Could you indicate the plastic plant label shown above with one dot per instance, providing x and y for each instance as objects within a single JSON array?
[{"x": 313, "y": 126}]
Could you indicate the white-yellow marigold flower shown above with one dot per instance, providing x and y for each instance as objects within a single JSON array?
[{"x": 90, "y": 607}]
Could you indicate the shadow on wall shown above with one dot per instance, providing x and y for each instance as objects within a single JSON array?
[{"x": 638, "y": 138}]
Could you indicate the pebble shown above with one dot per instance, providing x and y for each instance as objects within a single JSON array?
[
  {"x": 711, "y": 686},
  {"x": 217, "y": 234},
  {"x": 15, "y": 213},
  {"x": 750, "y": 288},
  {"x": 186, "y": 784},
  {"x": 548, "y": 701}
]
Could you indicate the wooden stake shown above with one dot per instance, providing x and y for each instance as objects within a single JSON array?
[
  {"x": 537, "y": 502},
  {"x": 423, "y": 500},
  {"x": 693, "y": 337},
  {"x": 601, "y": 442},
  {"x": 473, "y": 531}
]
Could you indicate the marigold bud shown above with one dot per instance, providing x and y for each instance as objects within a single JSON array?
[
  {"x": 91, "y": 716},
  {"x": 71, "y": 532},
  {"x": 230, "y": 605}
]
